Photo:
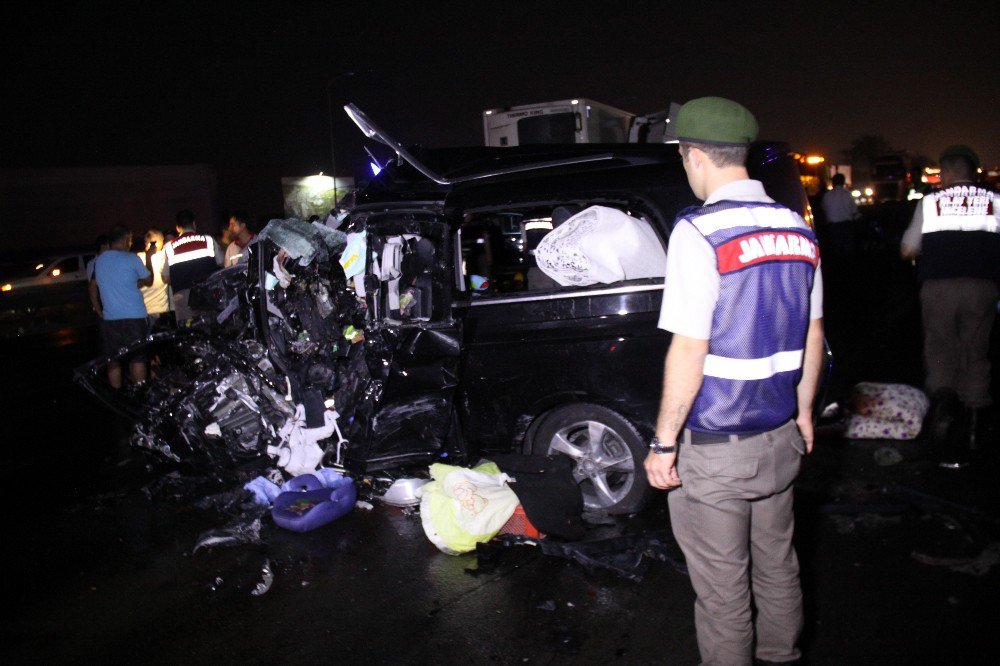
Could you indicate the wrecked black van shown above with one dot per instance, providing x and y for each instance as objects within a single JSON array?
[{"x": 423, "y": 329}]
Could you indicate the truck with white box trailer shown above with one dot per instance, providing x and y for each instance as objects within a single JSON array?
[{"x": 575, "y": 120}]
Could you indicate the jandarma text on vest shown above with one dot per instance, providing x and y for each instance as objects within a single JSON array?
[{"x": 764, "y": 246}]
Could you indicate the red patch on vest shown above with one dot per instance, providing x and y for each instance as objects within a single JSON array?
[
  {"x": 763, "y": 247},
  {"x": 182, "y": 245}
]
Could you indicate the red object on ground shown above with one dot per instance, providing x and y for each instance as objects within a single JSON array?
[{"x": 518, "y": 523}]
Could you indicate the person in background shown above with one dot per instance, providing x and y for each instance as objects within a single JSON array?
[
  {"x": 156, "y": 296},
  {"x": 119, "y": 275},
  {"x": 955, "y": 232},
  {"x": 190, "y": 258},
  {"x": 743, "y": 299},
  {"x": 840, "y": 211},
  {"x": 241, "y": 234},
  {"x": 101, "y": 243}
]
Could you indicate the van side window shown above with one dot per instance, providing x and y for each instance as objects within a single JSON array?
[
  {"x": 500, "y": 251},
  {"x": 407, "y": 275},
  {"x": 495, "y": 258}
]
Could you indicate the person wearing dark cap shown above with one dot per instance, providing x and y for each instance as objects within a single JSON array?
[
  {"x": 743, "y": 299},
  {"x": 955, "y": 232}
]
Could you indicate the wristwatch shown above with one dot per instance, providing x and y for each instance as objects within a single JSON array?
[{"x": 656, "y": 446}]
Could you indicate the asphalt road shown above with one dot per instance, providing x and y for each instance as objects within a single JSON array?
[{"x": 899, "y": 562}]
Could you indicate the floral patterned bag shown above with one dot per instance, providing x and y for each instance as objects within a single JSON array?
[{"x": 885, "y": 411}]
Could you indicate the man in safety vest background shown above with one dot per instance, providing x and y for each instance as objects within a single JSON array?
[
  {"x": 191, "y": 257},
  {"x": 956, "y": 233}
]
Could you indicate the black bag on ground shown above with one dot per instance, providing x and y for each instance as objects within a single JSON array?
[{"x": 546, "y": 489}]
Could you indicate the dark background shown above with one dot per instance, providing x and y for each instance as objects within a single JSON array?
[{"x": 244, "y": 86}]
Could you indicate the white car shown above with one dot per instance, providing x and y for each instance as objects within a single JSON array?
[{"x": 59, "y": 270}]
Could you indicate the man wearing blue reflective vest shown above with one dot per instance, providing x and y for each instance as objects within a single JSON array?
[{"x": 743, "y": 299}]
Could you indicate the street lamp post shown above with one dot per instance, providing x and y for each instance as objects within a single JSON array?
[{"x": 333, "y": 154}]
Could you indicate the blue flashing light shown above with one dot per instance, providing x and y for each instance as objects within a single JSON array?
[{"x": 376, "y": 169}]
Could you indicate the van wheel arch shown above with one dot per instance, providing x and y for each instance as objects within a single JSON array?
[{"x": 608, "y": 451}]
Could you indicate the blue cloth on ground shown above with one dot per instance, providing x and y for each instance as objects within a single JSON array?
[{"x": 264, "y": 491}]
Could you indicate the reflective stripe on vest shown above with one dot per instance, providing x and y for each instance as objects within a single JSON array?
[
  {"x": 960, "y": 208},
  {"x": 190, "y": 247},
  {"x": 752, "y": 368}
]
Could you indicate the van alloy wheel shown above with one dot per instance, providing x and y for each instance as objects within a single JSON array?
[{"x": 607, "y": 452}]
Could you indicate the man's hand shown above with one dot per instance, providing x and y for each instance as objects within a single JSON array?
[
  {"x": 661, "y": 470},
  {"x": 682, "y": 375},
  {"x": 805, "y": 424},
  {"x": 812, "y": 365}
]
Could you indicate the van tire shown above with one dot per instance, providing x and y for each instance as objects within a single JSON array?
[{"x": 610, "y": 470}]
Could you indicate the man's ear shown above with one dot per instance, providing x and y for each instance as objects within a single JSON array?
[{"x": 696, "y": 157}]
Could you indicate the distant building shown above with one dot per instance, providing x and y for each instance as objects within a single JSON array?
[{"x": 49, "y": 208}]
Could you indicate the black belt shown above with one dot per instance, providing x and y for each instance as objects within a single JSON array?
[{"x": 698, "y": 437}]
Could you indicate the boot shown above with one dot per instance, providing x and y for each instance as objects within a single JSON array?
[
  {"x": 955, "y": 451},
  {"x": 945, "y": 430},
  {"x": 942, "y": 418},
  {"x": 972, "y": 419},
  {"x": 980, "y": 428}
]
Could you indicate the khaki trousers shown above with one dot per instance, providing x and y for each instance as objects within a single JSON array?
[
  {"x": 182, "y": 310},
  {"x": 958, "y": 315},
  {"x": 733, "y": 519}
]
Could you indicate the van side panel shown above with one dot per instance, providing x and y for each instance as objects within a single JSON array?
[{"x": 522, "y": 358}]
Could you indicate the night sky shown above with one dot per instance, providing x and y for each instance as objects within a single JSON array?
[{"x": 243, "y": 86}]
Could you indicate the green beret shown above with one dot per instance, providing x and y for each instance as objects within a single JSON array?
[
  {"x": 959, "y": 150},
  {"x": 715, "y": 120}
]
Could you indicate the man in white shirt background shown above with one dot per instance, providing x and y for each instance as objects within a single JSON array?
[{"x": 840, "y": 213}]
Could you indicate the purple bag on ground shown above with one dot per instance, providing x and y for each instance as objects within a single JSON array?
[{"x": 306, "y": 509}]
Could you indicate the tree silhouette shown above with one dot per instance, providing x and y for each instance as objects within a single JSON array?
[{"x": 863, "y": 152}]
